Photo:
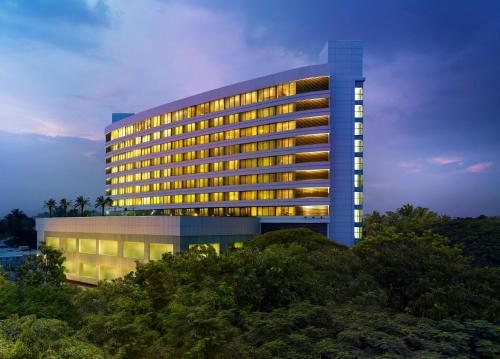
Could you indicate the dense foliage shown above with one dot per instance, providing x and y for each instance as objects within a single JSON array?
[
  {"x": 478, "y": 237},
  {"x": 405, "y": 291},
  {"x": 18, "y": 229}
]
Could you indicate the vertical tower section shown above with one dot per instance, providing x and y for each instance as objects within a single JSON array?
[{"x": 345, "y": 59}]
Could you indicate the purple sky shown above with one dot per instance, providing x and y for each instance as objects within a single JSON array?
[{"x": 432, "y": 104}]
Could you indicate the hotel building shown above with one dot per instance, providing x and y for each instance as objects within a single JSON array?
[{"x": 285, "y": 150}]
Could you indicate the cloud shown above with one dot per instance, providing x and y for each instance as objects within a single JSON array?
[
  {"x": 150, "y": 53},
  {"x": 75, "y": 11},
  {"x": 479, "y": 167},
  {"x": 446, "y": 160}
]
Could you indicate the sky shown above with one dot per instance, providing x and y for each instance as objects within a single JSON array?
[{"x": 432, "y": 105}]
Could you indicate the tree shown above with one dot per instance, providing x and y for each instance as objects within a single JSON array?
[
  {"x": 479, "y": 237},
  {"x": 404, "y": 291},
  {"x": 50, "y": 204},
  {"x": 425, "y": 276},
  {"x": 19, "y": 227},
  {"x": 81, "y": 202},
  {"x": 407, "y": 219},
  {"x": 102, "y": 202},
  {"x": 32, "y": 337},
  {"x": 45, "y": 268},
  {"x": 64, "y": 204},
  {"x": 302, "y": 236}
]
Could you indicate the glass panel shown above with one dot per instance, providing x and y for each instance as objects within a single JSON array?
[
  {"x": 88, "y": 246},
  {"x": 53, "y": 242},
  {"x": 108, "y": 247},
  {"x": 69, "y": 244},
  {"x": 70, "y": 267},
  {"x": 88, "y": 270},
  {"x": 358, "y": 111},
  {"x": 108, "y": 273},
  {"x": 358, "y": 93},
  {"x": 133, "y": 250},
  {"x": 156, "y": 250}
]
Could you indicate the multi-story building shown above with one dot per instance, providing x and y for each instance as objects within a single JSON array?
[
  {"x": 287, "y": 148},
  {"x": 283, "y": 150}
]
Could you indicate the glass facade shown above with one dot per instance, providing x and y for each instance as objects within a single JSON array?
[{"x": 263, "y": 152}]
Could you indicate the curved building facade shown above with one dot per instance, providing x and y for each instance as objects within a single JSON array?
[{"x": 287, "y": 148}]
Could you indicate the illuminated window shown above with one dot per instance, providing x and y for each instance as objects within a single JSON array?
[
  {"x": 133, "y": 250},
  {"x": 358, "y": 93},
  {"x": 358, "y": 198},
  {"x": 107, "y": 272},
  {"x": 358, "y": 163},
  {"x": 358, "y": 128},
  {"x": 358, "y": 215},
  {"x": 69, "y": 245},
  {"x": 313, "y": 210},
  {"x": 358, "y": 181},
  {"x": 358, "y": 232},
  {"x": 238, "y": 245},
  {"x": 88, "y": 246},
  {"x": 70, "y": 267},
  {"x": 358, "y": 146},
  {"x": 108, "y": 247},
  {"x": 358, "y": 111},
  {"x": 156, "y": 250},
  {"x": 88, "y": 270},
  {"x": 53, "y": 242}
]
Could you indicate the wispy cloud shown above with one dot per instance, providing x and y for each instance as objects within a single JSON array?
[
  {"x": 150, "y": 52},
  {"x": 479, "y": 167},
  {"x": 446, "y": 160}
]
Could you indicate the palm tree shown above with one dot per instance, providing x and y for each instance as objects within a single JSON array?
[
  {"x": 81, "y": 202},
  {"x": 50, "y": 204},
  {"x": 64, "y": 203},
  {"x": 102, "y": 202}
]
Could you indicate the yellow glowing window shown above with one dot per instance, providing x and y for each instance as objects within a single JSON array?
[
  {"x": 358, "y": 93},
  {"x": 70, "y": 267},
  {"x": 88, "y": 246},
  {"x": 358, "y": 146},
  {"x": 53, "y": 242},
  {"x": 156, "y": 250},
  {"x": 358, "y": 232},
  {"x": 358, "y": 181},
  {"x": 133, "y": 250},
  {"x": 69, "y": 245},
  {"x": 358, "y": 111},
  {"x": 108, "y": 273},
  {"x": 358, "y": 163},
  {"x": 108, "y": 247},
  {"x": 88, "y": 270},
  {"x": 358, "y": 198},
  {"x": 358, "y": 215},
  {"x": 358, "y": 128},
  {"x": 216, "y": 246},
  {"x": 238, "y": 244}
]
